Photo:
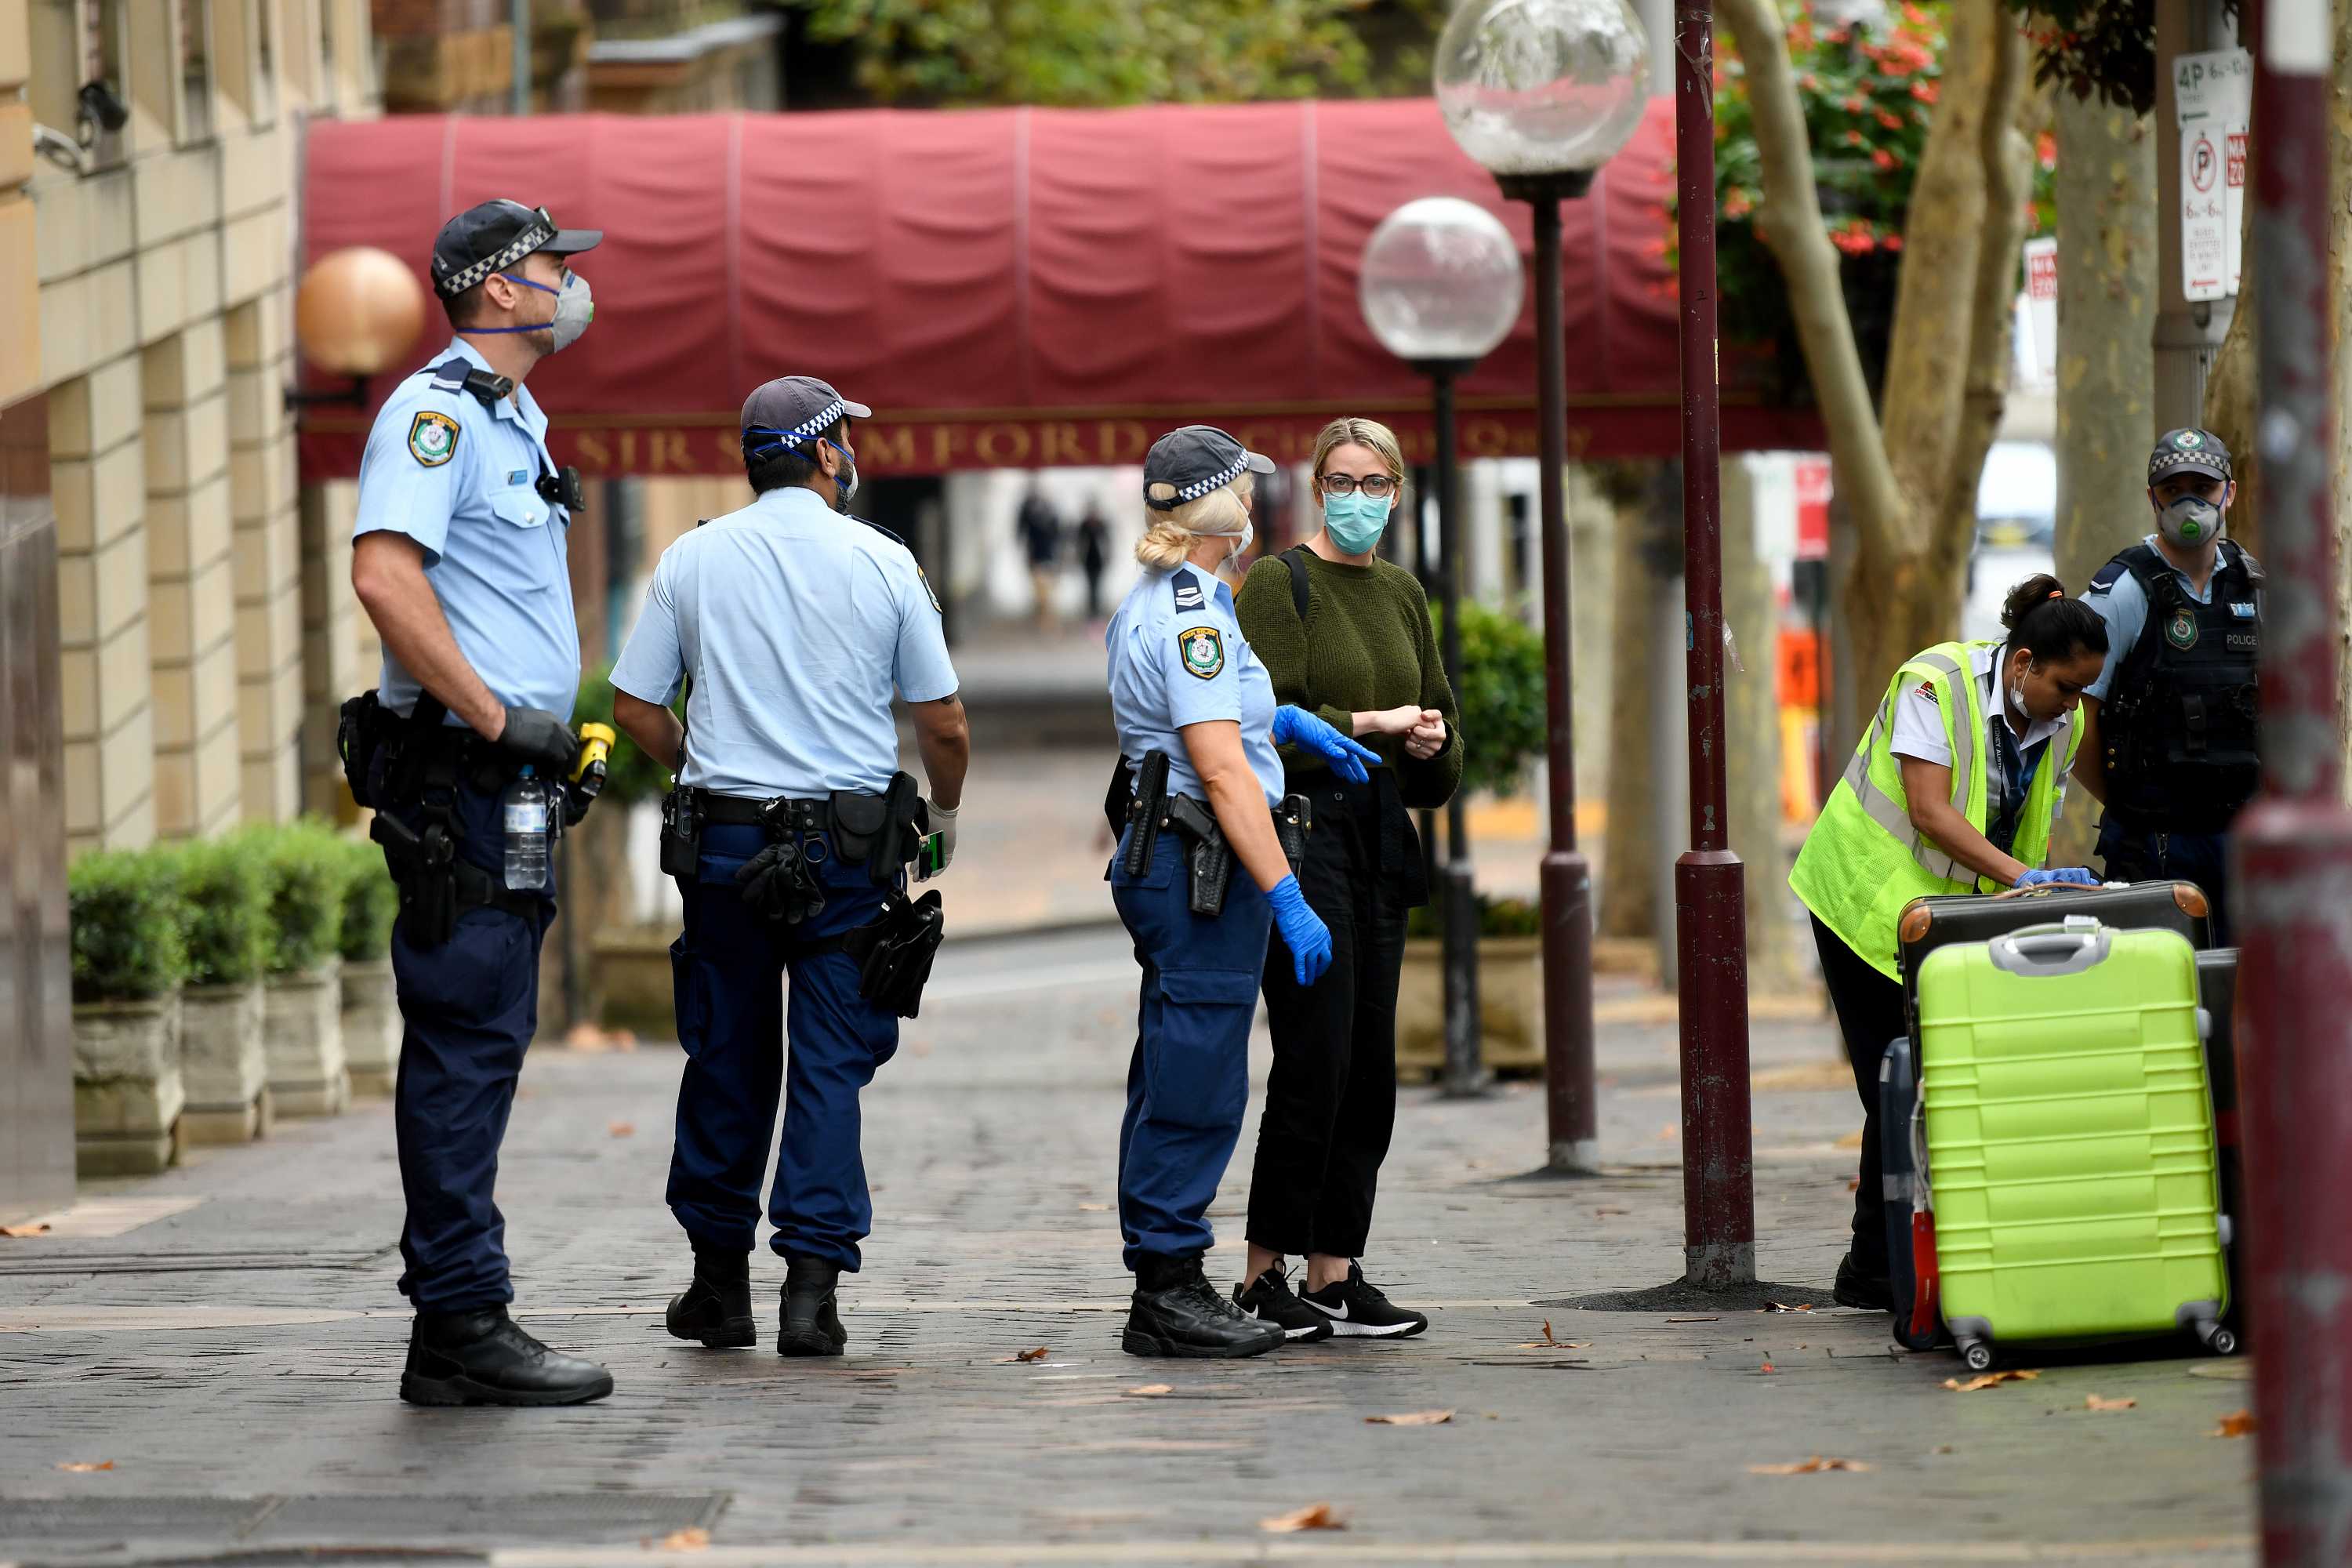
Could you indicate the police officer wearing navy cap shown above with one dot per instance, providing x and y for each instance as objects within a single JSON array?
[
  {"x": 2171, "y": 728},
  {"x": 458, "y": 556},
  {"x": 1197, "y": 726},
  {"x": 789, "y": 832}
]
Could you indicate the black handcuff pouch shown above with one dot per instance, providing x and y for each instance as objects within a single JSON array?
[
  {"x": 879, "y": 831},
  {"x": 682, "y": 834}
]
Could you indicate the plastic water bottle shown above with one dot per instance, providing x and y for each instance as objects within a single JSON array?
[{"x": 524, "y": 814}]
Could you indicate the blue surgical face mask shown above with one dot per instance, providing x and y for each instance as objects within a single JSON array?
[{"x": 1357, "y": 522}]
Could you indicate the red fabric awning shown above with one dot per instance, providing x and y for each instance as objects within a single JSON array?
[{"x": 1022, "y": 287}]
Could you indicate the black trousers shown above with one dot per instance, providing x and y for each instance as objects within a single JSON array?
[
  {"x": 1330, "y": 1102},
  {"x": 2142, "y": 855},
  {"x": 1870, "y": 1013}
]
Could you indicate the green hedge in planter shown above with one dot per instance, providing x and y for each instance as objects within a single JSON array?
[
  {"x": 1496, "y": 917},
  {"x": 305, "y": 867},
  {"x": 370, "y": 903},
  {"x": 224, "y": 911},
  {"x": 1502, "y": 697},
  {"x": 126, "y": 914}
]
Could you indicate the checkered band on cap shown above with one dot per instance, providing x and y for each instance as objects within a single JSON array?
[
  {"x": 539, "y": 232},
  {"x": 820, "y": 422},
  {"x": 1200, "y": 488}
]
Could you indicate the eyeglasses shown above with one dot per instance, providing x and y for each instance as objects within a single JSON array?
[{"x": 1379, "y": 487}]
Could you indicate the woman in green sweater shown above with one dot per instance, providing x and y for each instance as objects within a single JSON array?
[{"x": 1345, "y": 636}]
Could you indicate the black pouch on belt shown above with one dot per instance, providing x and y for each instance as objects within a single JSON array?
[
  {"x": 878, "y": 831},
  {"x": 1294, "y": 819},
  {"x": 360, "y": 729},
  {"x": 423, "y": 868},
  {"x": 682, "y": 834},
  {"x": 894, "y": 951},
  {"x": 1208, "y": 859}
]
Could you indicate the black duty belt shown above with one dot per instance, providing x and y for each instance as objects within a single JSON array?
[{"x": 780, "y": 811}]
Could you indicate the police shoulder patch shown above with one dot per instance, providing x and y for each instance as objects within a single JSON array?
[
  {"x": 432, "y": 438},
  {"x": 1204, "y": 648},
  {"x": 928, "y": 592},
  {"x": 1187, "y": 590}
]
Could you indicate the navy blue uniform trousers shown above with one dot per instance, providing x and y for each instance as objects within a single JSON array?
[
  {"x": 1188, "y": 1082},
  {"x": 742, "y": 1047},
  {"x": 470, "y": 1009},
  {"x": 2130, "y": 856}
]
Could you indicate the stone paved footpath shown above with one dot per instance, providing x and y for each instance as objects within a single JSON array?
[{"x": 227, "y": 1338}]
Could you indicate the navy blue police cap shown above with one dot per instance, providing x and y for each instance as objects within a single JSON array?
[
  {"x": 494, "y": 236},
  {"x": 2188, "y": 452},
  {"x": 1196, "y": 460}
]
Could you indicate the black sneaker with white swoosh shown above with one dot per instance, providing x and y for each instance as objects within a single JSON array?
[
  {"x": 1355, "y": 1307},
  {"x": 1270, "y": 1298}
]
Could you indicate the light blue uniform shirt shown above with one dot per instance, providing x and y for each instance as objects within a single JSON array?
[
  {"x": 1178, "y": 657},
  {"x": 795, "y": 622},
  {"x": 2123, "y": 604},
  {"x": 461, "y": 480}
]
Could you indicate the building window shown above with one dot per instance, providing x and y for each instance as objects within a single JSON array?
[
  {"x": 195, "y": 70},
  {"x": 264, "y": 61},
  {"x": 75, "y": 43}
]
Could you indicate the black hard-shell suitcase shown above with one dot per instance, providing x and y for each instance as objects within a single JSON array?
[
  {"x": 2217, "y": 994},
  {"x": 1911, "y": 1272},
  {"x": 1939, "y": 921}
]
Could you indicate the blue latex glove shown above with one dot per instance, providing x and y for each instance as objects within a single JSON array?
[
  {"x": 1302, "y": 929},
  {"x": 1297, "y": 726},
  {"x": 2060, "y": 876}
]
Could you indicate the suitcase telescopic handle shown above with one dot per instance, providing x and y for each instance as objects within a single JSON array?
[{"x": 2068, "y": 948}]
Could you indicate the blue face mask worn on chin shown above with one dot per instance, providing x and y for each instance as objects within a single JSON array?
[
  {"x": 575, "y": 306},
  {"x": 1356, "y": 522}
]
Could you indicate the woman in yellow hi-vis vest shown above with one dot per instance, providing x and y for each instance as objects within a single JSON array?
[{"x": 1952, "y": 791}]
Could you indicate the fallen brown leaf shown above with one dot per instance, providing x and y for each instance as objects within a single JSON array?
[
  {"x": 1547, "y": 1332},
  {"x": 1851, "y": 1141},
  {"x": 2236, "y": 1425},
  {"x": 24, "y": 1230},
  {"x": 1769, "y": 1367},
  {"x": 1040, "y": 1353},
  {"x": 84, "y": 1467},
  {"x": 693, "y": 1538},
  {"x": 2092, "y": 1402},
  {"x": 1151, "y": 1389},
  {"x": 1557, "y": 1345},
  {"x": 1669, "y": 1130},
  {"x": 1989, "y": 1380},
  {"x": 1092, "y": 1208},
  {"x": 1313, "y": 1516},
  {"x": 623, "y": 1129},
  {"x": 1854, "y": 1184},
  {"x": 1784, "y": 1307},
  {"x": 1812, "y": 1467},
  {"x": 1411, "y": 1419}
]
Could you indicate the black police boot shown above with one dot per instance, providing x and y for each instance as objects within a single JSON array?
[
  {"x": 1176, "y": 1313},
  {"x": 811, "y": 1316},
  {"x": 481, "y": 1358},
  {"x": 717, "y": 1306},
  {"x": 1872, "y": 1293}
]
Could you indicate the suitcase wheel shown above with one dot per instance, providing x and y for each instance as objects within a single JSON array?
[
  {"x": 1978, "y": 1356},
  {"x": 2218, "y": 1340}
]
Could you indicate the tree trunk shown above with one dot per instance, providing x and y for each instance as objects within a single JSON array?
[
  {"x": 2340, "y": 339},
  {"x": 1751, "y": 714},
  {"x": 1911, "y": 538},
  {"x": 1628, "y": 907},
  {"x": 2107, "y": 363}
]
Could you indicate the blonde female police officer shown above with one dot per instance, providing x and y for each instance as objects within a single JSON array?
[
  {"x": 1953, "y": 790},
  {"x": 1197, "y": 721}
]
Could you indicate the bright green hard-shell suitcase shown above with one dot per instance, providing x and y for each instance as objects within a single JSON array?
[{"x": 2069, "y": 1141}]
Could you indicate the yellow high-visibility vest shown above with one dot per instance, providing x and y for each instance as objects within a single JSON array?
[{"x": 1864, "y": 861}]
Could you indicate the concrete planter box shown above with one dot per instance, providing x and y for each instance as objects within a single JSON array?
[
  {"x": 127, "y": 1090},
  {"x": 1510, "y": 1005},
  {"x": 371, "y": 1026},
  {"x": 221, "y": 1059},
  {"x": 303, "y": 1033},
  {"x": 635, "y": 979}
]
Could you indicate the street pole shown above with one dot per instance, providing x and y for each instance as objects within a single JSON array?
[
  {"x": 2293, "y": 844},
  {"x": 519, "y": 18},
  {"x": 1710, "y": 890},
  {"x": 1465, "y": 1077},
  {"x": 2188, "y": 333},
  {"x": 1570, "y": 1103}
]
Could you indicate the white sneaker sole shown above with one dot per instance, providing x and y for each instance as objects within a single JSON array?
[
  {"x": 1349, "y": 1328},
  {"x": 1258, "y": 1316}
]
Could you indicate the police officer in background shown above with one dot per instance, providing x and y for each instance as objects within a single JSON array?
[
  {"x": 788, "y": 832},
  {"x": 458, "y": 557},
  {"x": 2171, "y": 727}
]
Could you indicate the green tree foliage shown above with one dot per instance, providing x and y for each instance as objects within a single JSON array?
[
  {"x": 305, "y": 867},
  {"x": 125, "y": 906},
  {"x": 1503, "y": 724},
  {"x": 1099, "y": 53},
  {"x": 370, "y": 903},
  {"x": 629, "y": 773},
  {"x": 224, "y": 898}
]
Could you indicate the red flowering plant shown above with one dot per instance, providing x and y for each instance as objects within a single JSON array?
[{"x": 1868, "y": 96}]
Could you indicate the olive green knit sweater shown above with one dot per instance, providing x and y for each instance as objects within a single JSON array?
[{"x": 1367, "y": 644}]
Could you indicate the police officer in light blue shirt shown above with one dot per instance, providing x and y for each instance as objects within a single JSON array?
[
  {"x": 458, "y": 558},
  {"x": 1197, "y": 726},
  {"x": 791, "y": 623}
]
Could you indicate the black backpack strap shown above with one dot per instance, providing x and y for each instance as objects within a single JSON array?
[{"x": 1295, "y": 559}]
